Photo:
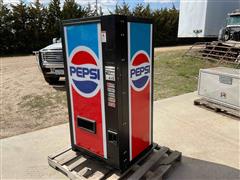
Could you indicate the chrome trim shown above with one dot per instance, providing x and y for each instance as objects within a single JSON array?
[
  {"x": 52, "y": 55},
  {"x": 53, "y": 72},
  {"x": 52, "y": 65},
  {"x": 37, "y": 60}
]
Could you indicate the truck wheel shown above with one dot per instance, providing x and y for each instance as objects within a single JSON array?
[{"x": 52, "y": 80}]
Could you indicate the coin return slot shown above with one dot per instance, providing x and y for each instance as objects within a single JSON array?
[{"x": 87, "y": 124}]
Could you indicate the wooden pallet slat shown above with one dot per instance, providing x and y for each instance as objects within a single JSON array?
[
  {"x": 217, "y": 107},
  {"x": 78, "y": 166},
  {"x": 68, "y": 158},
  {"x": 160, "y": 172},
  {"x": 80, "y": 160},
  {"x": 170, "y": 159},
  {"x": 59, "y": 152},
  {"x": 166, "y": 165},
  {"x": 97, "y": 175},
  {"x": 85, "y": 172},
  {"x": 145, "y": 167}
]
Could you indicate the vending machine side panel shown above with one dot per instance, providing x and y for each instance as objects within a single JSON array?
[{"x": 140, "y": 86}]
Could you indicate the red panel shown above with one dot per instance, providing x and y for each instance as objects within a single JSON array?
[
  {"x": 83, "y": 57},
  {"x": 88, "y": 108},
  {"x": 139, "y": 59},
  {"x": 140, "y": 106}
]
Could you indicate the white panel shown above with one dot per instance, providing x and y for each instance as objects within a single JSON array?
[
  {"x": 70, "y": 88},
  {"x": 102, "y": 93},
  {"x": 208, "y": 16},
  {"x": 191, "y": 18}
]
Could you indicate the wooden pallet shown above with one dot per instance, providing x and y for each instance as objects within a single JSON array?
[
  {"x": 217, "y": 107},
  {"x": 155, "y": 165}
]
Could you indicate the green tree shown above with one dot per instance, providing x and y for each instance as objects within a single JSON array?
[
  {"x": 19, "y": 17},
  {"x": 72, "y": 10},
  {"x": 142, "y": 11},
  {"x": 6, "y": 35},
  {"x": 84, "y": 12},
  {"x": 89, "y": 12},
  {"x": 123, "y": 9},
  {"x": 1, "y": 4},
  {"x": 24, "y": 28},
  {"x": 54, "y": 17},
  {"x": 166, "y": 26},
  {"x": 36, "y": 25}
]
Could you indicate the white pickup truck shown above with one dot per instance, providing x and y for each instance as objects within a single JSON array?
[{"x": 50, "y": 61}]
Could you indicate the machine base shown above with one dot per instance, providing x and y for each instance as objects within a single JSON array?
[{"x": 156, "y": 164}]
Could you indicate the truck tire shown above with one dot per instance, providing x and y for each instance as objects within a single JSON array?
[{"x": 51, "y": 79}]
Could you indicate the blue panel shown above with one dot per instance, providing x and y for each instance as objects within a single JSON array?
[
  {"x": 140, "y": 82},
  {"x": 83, "y": 35},
  {"x": 140, "y": 37},
  {"x": 85, "y": 86}
]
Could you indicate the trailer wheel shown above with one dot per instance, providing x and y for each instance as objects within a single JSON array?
[{"x": 51, "y": 79}]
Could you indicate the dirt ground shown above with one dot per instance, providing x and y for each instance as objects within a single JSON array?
[
  {"x": 172, "y": 48},
  {"x": 28, "y": 103}
]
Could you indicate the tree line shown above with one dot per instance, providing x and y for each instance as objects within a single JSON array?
[{"x": 29, "y": 27}]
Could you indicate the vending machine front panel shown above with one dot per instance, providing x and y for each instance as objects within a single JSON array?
[{"x": 85, "y": 76}]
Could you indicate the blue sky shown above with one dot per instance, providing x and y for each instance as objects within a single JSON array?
[
  {"x": 155, "y": 3},
  {"x": 110, "y": 4}
]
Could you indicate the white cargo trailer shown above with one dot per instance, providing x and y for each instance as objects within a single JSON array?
[
  {"x": 220, "y": 85},
  {"x": 204, "y": 18}
]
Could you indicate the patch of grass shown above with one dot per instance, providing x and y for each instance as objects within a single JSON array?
[
  {"x": 37, "y": 105},
  {"x": 174, "y": 75},
  {"x": 35, "y": 101}
]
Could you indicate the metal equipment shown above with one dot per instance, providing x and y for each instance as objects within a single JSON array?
[
  {"x": 220, "y": 85},
  {"x": 109, "y": 73}
]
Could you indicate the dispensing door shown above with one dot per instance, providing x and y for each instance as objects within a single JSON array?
[{"x": 84, "y": 67}]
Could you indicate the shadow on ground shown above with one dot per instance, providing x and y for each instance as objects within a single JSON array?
[
  {"x": 196, "y": 169},
  {"x": 60, "y": 85},
  {"x": 223, "y": 113}
]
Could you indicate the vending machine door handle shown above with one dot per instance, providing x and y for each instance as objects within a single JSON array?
[{"x": 112, "y": 137}]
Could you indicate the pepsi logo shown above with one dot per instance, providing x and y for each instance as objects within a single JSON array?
[
  {"x": 139, "y": 70},
  {"x": 84, "y": 71}
]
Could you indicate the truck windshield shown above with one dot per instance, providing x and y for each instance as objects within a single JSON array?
[{"x": 233, "y": 20}]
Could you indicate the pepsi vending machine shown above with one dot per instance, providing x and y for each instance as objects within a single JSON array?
[{"x": 109, "y": 77}]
